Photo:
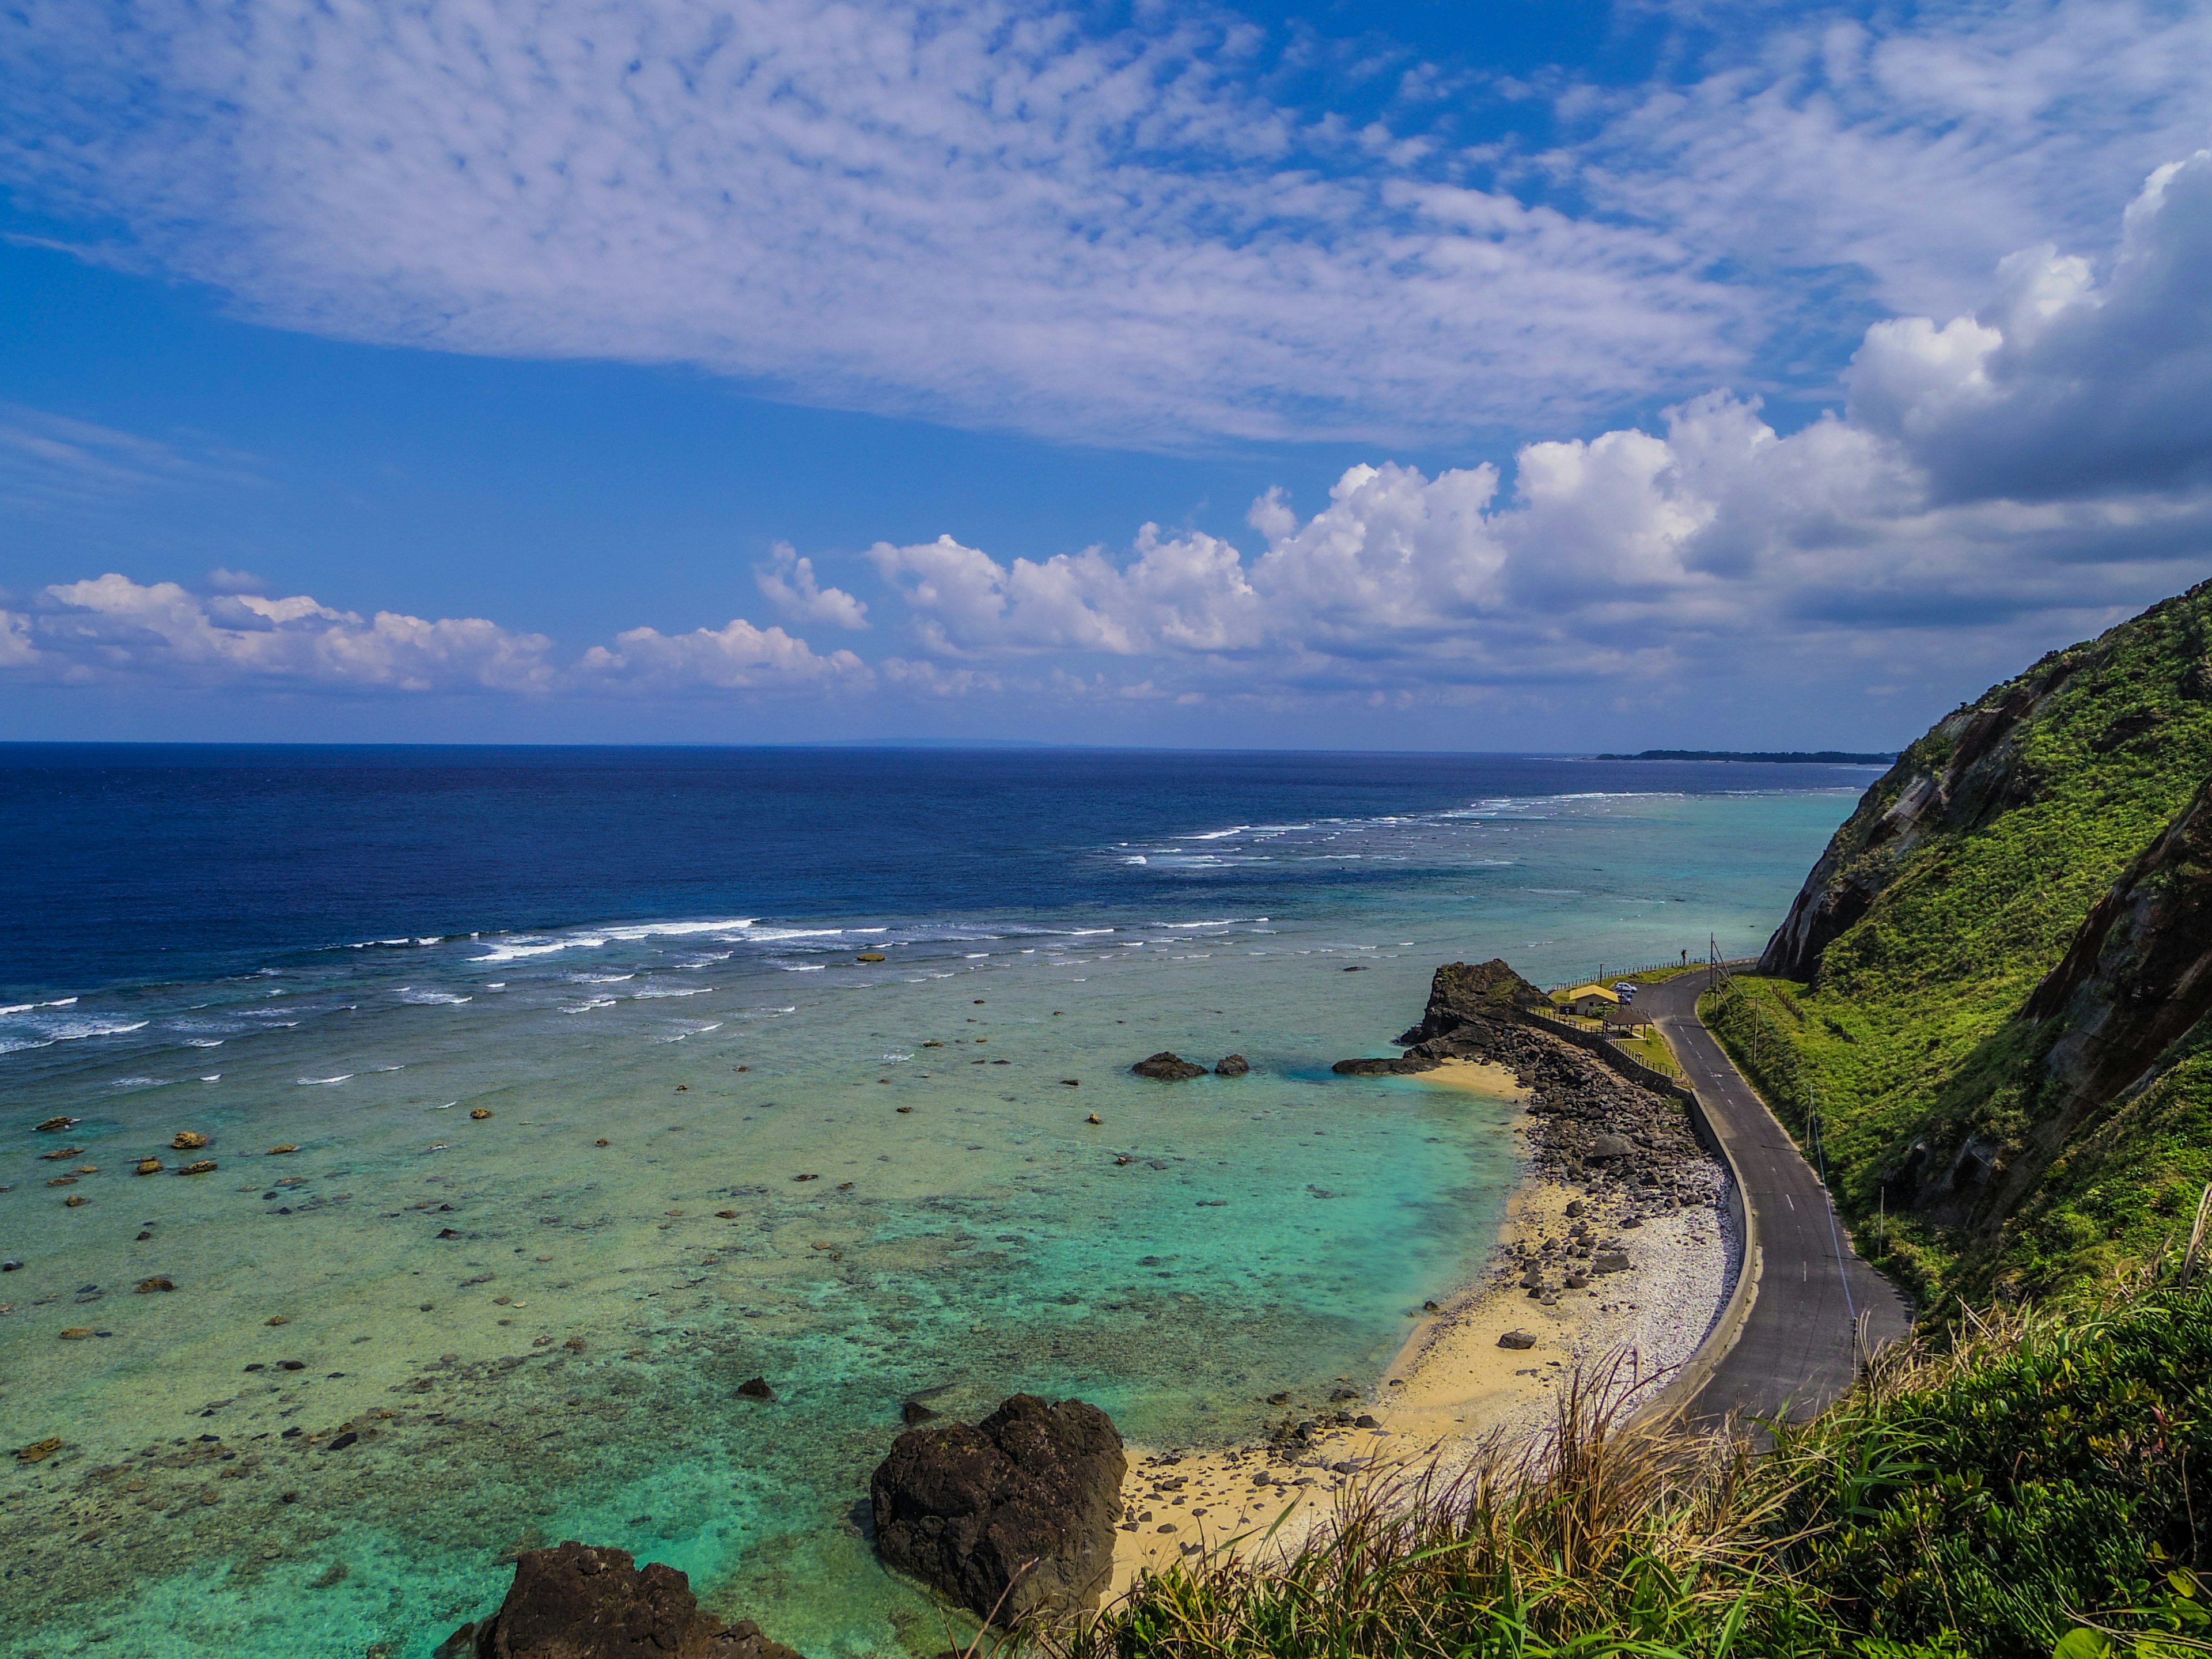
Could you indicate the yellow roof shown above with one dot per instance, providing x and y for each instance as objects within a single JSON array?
[{"x": 1582, "y": 991}]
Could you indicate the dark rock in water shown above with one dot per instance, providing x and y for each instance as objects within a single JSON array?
[
  {"x": 1395, "y": 1065},
  {"x": 756, "y": 1388},
  {"x": 967, "y": 1510},
  {"x": 1167, "y": 1066},
  {"x": 576, "y": 1602},
  {"x": 914, "y": 1412},
  {"x": 1234, "y": 1066},
  {"x": 1517, "y": 1339}
]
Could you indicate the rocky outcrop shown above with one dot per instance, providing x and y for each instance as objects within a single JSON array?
[
  {"x": 1232, "y": 1066},
  {"x": 2137, "y": 979},
  {"x": 1464, "y": 993},
  {"x": 1385, "y": 1066},
  {"x": 578, "y": 1602},
  {"x": 1012, "y": 1517},
  {"x": 1167, "y": 1066}
]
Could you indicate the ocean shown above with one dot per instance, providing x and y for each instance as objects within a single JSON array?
[{"x": 599, "y": 1112}]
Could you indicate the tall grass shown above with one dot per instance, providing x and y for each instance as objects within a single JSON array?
[{"x": 2024, "y": 1485}]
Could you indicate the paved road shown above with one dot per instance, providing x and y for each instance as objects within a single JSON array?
[{"x": 1799, "y": 1346}]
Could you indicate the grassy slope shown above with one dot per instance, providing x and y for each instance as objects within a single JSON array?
[
  {"x": 1979, "y": 1504},
  {"x": 1910, "y": 1035}
]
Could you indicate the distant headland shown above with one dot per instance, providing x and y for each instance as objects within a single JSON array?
[{"x": 1773, "y": 757}]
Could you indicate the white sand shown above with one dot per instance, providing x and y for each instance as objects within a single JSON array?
[{"x": 1451, "y": 1385}]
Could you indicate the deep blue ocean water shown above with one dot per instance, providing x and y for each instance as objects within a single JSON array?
[{"x": 644, "y": 966}]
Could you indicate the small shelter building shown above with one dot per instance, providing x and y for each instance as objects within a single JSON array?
[{"x": 1594, "y": 1001}]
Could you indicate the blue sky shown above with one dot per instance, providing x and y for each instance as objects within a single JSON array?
[{"x": 1520, "y": 376}]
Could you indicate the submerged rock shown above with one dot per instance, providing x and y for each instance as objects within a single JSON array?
[
  {"x": 1394, "y": 1066},
  {"x": 756, "y": 1388},
  {"x": 577, "y": 1602},
  {"x": 1167, "y": 1066},
  {"x": 1011, "y": 1515}
]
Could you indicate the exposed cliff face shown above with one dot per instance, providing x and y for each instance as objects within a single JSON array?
[{"x": 2136, "y": 981}]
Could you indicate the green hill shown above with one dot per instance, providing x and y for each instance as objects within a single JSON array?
[{"x": 1987, "y": 1006}]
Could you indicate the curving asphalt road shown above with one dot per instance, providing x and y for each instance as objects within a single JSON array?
[{"x": 1815, "y": 1304}]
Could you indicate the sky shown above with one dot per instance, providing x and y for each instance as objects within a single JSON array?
[{"x": 1539, "y": 375}]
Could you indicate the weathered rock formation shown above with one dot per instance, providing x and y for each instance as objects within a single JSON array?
[
  {"x": 2137, "y": 975},
  {"x": 1232, "y": 1066},
  {"x": 1167, "y": 1066},
  {"x": 578, "y": 1602},
  {"x": 1464, "y": 993},
  {"x": 1011, "y": 1516}
]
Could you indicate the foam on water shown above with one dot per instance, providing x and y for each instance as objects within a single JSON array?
[{"x": 559, "y": 1325}]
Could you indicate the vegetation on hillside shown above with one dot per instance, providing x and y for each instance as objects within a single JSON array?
[
  {"x": 2029, "y": 1489},
  {"x": 1899, "y": 1034}
]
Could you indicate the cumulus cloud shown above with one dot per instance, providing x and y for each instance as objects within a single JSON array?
[
  {"x": 739, "y": 657},
  {"x": 2039, "y": 464},
  {"x": 988, "y": 212},
  {"x": 2065, "y": 385},
  {"x": 113, "y": 626},
  {"x": 112, "y": 629},
  {"x": 788, "y": 583}
]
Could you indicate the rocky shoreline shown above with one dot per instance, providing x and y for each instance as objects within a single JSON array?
[{"x": 1616, "y": 1253}]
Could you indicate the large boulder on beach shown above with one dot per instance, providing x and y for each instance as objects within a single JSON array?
[
  {"x": 579, "y": 1603},
  {"x": 1167, "y": 1066},
  {"x": 1011, "y": 1516}
]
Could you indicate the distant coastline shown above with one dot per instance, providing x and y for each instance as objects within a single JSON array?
[{"x": 1770, "y": 758}]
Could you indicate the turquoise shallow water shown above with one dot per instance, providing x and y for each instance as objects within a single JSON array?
[{"x": 533, "y": 1336}]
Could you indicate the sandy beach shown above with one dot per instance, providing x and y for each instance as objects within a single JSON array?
[{"x": 1452, "y": 1385}]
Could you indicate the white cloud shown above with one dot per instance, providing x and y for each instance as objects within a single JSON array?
[
  {"x": 51, "y": 461},
  {"x": 112, "y": 626},
  {"x": 788, "y": 583},
  {"x": 112, "y": 629},
  {"x": 1918, "y": 146},
  {"x": 2031, "y": 469},
  {"x": 986, "y": 212},
  {"x": 2065, "y": 386},
  {"x": 738, "y": 657}
]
